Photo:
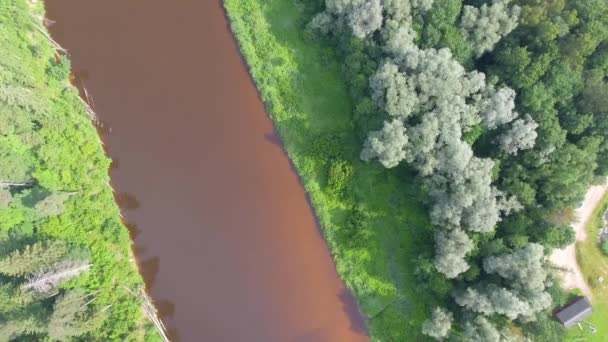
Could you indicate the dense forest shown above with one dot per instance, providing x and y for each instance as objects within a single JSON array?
[
  {"x": 66, "y": 267},
  {"x": 488, "y": 114}
]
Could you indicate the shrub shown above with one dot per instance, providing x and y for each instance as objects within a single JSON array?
[
  {"x": 559, "y": 236},
  {"x": 325, "y": 146},
  {"x": 355, "y": 232},
  {"x": 60, "y": 69},
  {"x": 339, "y": 177},
  {"x": 604, "y": 247}
]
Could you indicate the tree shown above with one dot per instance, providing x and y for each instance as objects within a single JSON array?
[
  {"x": 365, "y": 18},
  {"x": 47, "y": 279},
  {"x": 485, "y": 26},
  {"x": 53, "y": 204},
  {"x": 33, "y": 257},
  {"x": 558, "y": 236},
  {"x": 433, "y": 101},
  {"x": 21, "y": 324},
  {"x": 13, "y": 299},
  {"x": 339, "y": 177},
  {"x": 498, "y": 108},
  {"x": 362, "y": 16},
  {"x": 439, "y": 326},
  {"x": 523, "y": 267},
  {"x": 521, "y": 136},
  {"x": 16, "y": 164},
  {"x": 387, "y": 145},
  {"x": 491, "y": 299},
  {"x": 451, "y": 248},
  {"x": 605, "y": 247},
  {"x": 523, "y": 271},
  {"x": 392, "y": 91},
  {"x": 481, "y": 330},
  {"x": 71, "y": 316},
  {"x": 60, "y": 68},
  {"x": 5, "y": 197}
]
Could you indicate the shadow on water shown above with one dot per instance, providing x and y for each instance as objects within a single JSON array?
[
  {"x": 323, "y": 334},
  {"x": 349, "y": 304},
  {"x": 126, "y": 201},
  {"x": 149, "y": 269},
  {"x": 274, "y": 139},
  {"x": 351, "y": 310},
  {"x": 134, "y": 230},
  {"x": 114, "y": 164}
]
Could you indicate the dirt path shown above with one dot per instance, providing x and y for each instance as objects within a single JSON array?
[{"x": 566, "y": 258}]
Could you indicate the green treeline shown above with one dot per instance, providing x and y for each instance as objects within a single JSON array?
[
  {"x": 487, "y": 119},
  {"x": 65, "y": 257}
]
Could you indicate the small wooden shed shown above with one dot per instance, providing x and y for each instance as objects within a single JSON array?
[{"x": 575, "y": 312}]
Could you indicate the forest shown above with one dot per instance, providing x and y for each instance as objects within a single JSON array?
[
  {"x": 66, "y": 267},
  {"x": 472, "y": 127},
  {"x": 444, "y": 145}
]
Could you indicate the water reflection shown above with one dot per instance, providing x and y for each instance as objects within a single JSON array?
[{"x": 126, "y": 201}]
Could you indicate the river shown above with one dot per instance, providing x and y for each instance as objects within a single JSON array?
[{"x": 223, "y": 232}]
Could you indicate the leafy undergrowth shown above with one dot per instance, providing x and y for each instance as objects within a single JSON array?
[
  {"x": 372, "y": 219},
  {"x": 48, "y": 143}
]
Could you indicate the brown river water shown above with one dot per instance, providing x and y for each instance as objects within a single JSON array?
[{"x": 224, "y": 234}]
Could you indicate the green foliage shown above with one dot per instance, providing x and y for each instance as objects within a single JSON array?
[
  {"x": 15, "y": 158},
  {"x": 594, "y": 265},
  {"x": 52, "y": 205},
  {"x": 554, "y": 59},
  {"x": 71, "y": 316},
  {"x": 340, "y": 177},
  {"x": 60, "y": 68},
  {"x": 604, "y": 247},
  {"x": 559, "y": 236},
  {"x": 441, "y": 30},
  {"x": 356, "y": 231},
  {"x": 49, "y": 151},
  {"x": 325, "y": 146},
  {"x": 5, "y": 198},
  {"x": 439, "y": 325},
  {"x": 33, "y": 258},
  {"x": 376, "y": 228}
]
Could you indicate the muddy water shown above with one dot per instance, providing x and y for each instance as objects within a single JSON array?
[{"x": 224, "y": 235}]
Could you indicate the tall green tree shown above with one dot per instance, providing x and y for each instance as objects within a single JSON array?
[{"x": 33, "y": 258}]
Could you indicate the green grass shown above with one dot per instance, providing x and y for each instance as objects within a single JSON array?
[
  {"x": 376, "y": 227},
  {"x": 49, "y": 128},
  {"x": 594, "y": 265}
]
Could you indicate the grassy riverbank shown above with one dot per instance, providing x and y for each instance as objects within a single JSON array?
[
  {"x": 371, "y": 218},
  {"x": 55, "y": 195},
  {"x": 594, "y": 265}
]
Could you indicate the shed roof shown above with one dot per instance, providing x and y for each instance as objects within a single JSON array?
[{"x": 575, "y": 312}]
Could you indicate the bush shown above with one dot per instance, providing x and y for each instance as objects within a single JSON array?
[
  {"x": 429, "y": 278},
  {"x": 355, "y": 234},
  {"x": 60, "y": 69},
  {"x": 604, "y": 247},
  {"x": 339, "y": 177},
  {"x": 559, "y": 236},
  {"x": 324, "y": 146}
]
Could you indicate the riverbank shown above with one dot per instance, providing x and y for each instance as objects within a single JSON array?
[
  {"x": 223, "y": 232},
  {"x": 48, "y": 142},
  {"x": 371, "y": 218}
]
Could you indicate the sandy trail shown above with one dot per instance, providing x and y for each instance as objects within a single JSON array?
[{"x": 566, "y": 258}]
